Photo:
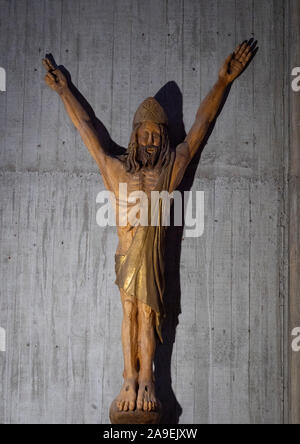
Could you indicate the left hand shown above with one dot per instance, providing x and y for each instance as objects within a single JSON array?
[
  {"x": 235, "y": 63},
  {"x": 54, "y": 78}
]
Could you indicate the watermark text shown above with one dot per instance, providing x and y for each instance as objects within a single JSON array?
[
  {"x": 152, "y": 209},
  {"x": 296, "y": 340},
  {"x": 2, "y": 80},
  {"x": 2, "y": 340},
  {"x": 296, "y": 80}
]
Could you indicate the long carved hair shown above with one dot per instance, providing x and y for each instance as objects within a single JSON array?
[{"x": 131, "y": 158}]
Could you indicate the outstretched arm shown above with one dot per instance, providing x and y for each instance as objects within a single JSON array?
[
  {"x": 57, "y": 81},
  {"x": 232, "y": 67}
]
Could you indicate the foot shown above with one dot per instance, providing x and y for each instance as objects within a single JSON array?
[
  {"x": 146, "y": 399},
  {"x": 126, "y": 399}
]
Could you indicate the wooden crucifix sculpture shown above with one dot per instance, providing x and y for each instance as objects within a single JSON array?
[{"x": 149, "y": 164}]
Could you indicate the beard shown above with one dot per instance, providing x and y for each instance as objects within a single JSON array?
[
  {"x": 148, "y": 158},
  {"x": 137, "y": 156}
]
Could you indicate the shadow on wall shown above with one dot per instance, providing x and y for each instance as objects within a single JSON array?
[{"x": 170, "y": 98}]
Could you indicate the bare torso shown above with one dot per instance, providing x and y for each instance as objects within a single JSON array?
[{"x": 144, "y": 180}]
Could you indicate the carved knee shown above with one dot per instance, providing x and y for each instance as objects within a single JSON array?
[
  {"x": 147, "y": 313},
  {"x": 129, "y": 309}
]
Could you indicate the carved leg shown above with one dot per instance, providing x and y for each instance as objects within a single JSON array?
[
  {"x": 127, "y": 397},
  {"x": 146, "y": 399}
]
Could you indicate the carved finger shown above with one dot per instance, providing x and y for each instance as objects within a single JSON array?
[
  {"x": 247, "y": 49},
  {"x": 50, "y": 64},
  {"x": 249, "y": 46},
  {"x": 45, "y": 64},
  {"x": 237, "y": 48},
  {"x": 50, "y": 77},
  {"x": 253, "y": 47},
  {"x": 249, "y": 56},
  {"x": 250, "y": 41},
  {"x": 126, "y": 406},
  {"x": 145, "y": 406},
  {"x": 149, "y": 406},
  {"x": 241, "y": 50},
  {"x": 121, "y": 405},
  {"x": 243, "y": 58},
  {"x": 59, "y": 74}
]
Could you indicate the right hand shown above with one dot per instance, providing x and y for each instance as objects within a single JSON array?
[
  {"x": 54, "y": 78},
  {"x": 235, "y": 63}
]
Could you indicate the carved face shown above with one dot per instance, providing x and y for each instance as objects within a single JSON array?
[{"x": 149, "y": 141}]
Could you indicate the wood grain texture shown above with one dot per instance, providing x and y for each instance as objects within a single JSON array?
[{"x": 58, "y": 302}]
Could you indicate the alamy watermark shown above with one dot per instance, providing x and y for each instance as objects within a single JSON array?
[
  {"x": 2, "y": 340},
  {"x": 2, "y": 79},
  {"x": 138, "y": 208},
  {"x": 296, "y": 80},
  {"x": 296, "y": 341}
]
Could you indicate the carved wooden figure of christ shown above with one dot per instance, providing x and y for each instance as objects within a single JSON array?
[{"x": 148, "y": 164}]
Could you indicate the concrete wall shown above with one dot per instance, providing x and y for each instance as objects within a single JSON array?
[{"x": 224, "y": 359}]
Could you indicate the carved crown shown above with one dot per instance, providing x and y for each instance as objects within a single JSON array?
[{"x": 150, "y": 110}]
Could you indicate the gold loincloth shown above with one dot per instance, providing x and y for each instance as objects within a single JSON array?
[
  {"x": 142, "y": 294},
  {"x": 140, "y": 273}
]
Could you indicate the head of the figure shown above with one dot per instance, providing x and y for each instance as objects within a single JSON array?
[{"x": 149, "y": 145}]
